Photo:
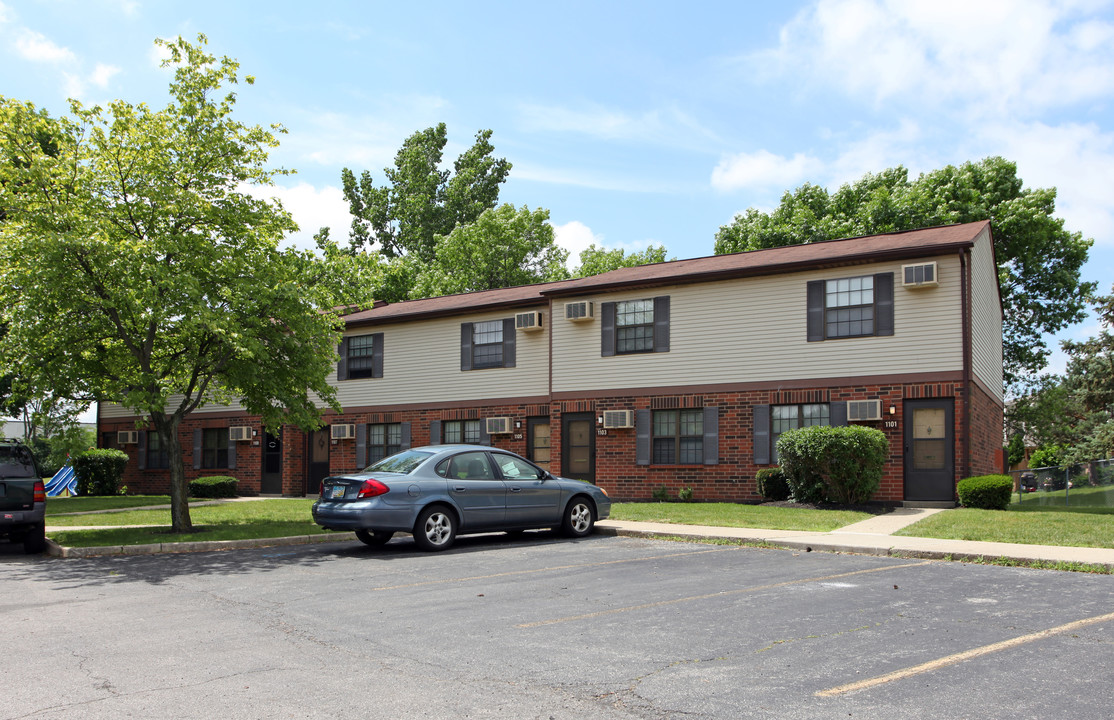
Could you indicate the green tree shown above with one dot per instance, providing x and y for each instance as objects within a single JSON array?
[
  {"x": 419, "y": 200},
  {"x": 504, "y": 247},
  {"x": 1038, "y": 260},
  {"x": 595, "y": 260},
  {"x": 134, "y": 270},
  {"x": 1090, "y": 381}
]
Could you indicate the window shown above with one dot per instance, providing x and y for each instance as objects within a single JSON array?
[
  {"x": 214, "y": 448},
  {"x": 790, "y": 417},
  {"x": 383, "y": 441},
  {"x": 361, "y": 356},
  {"x": 678, "y": 437},
  {"x": 851, "y": 307},
  {"x": 634, "y": 326},
  {"x": 467, "y": 466},
  {"x": 516, "y": 469},
  {"x": 487, "y": 344},
  {"x": 462, "y": 431},
  {"x": 157, "y": 456}
]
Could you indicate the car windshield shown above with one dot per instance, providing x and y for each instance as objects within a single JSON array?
[
  {"x": 16, "y": 462},
  {"x": 402, "y": 463}
]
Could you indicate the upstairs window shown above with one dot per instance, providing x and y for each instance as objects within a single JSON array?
[
  {"x": 634, "y": 326},
  {"x": 851, "y": 307},
  {"x": 361, "y": 356},
  {"x": 487, "y": 344}
]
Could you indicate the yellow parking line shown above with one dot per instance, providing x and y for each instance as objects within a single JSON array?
[
  {"x": 722, "y": 593},
  {"x": 512, "y": 573},
  {"x": 962, "y": 656}
]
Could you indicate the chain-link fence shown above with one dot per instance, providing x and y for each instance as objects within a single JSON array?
[{"x": 1079, "y": 485}]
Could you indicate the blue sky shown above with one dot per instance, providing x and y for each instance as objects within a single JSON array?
[{"x": 633, "y": 123}]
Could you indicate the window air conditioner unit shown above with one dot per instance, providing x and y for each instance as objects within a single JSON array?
[
  {"x": 239, "y": 433},
  {"x": 342, "y": 431},
  {"x": 618, "y": 419},
  {"x": 127, "y": 437},
  {"x": 922, "y": 275},
  {"x": 528, "y": 321},
  {"x": 862, "y": 410},
  {"x": 579, "y": 311},
  {"x": 498, "y": 425}
]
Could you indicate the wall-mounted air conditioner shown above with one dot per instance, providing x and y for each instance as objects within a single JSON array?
[
  {"x": 343, "y": 431},
  {"x": 618, "y": 419},
  {"x": 528, "y": 321},
  {"x": 127, "y": 437},
  {"x": 863, "y": 410},
  {"x": 238, "y": 433},
  {"x": 498, "y": 425},
  {"x": 920, "y": 275},
  {"x": 580, "y": 311}
]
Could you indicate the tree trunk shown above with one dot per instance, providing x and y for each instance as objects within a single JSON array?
[{"x": 167, "y": 428}]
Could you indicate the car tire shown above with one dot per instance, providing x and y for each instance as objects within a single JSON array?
[
  {"x": 579, "y": 518},
  {"x": 435, "y": 529},
  {"x": 374, "y": 538},
  {"x": 34, "y": 542}
]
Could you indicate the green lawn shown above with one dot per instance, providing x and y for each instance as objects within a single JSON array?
[
  {"x": 1028, "y": 524},
  {"x": 1099, "y": 496},
  {"x": 230, "y": 521},
  {"x": 733, "y": 515},
  {"x": 56, "y": 505}
]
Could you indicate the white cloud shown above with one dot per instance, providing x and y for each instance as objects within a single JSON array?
[
  {"x": 36, "y": 47},
  {"x": 878, "y": 150},
  {"x": 991, "y": 56},
  {"x": 668, "y": 126},
  {"x": 102, "y": 74},
  {"x": 763, "y": 169},
  {"x": 312, "y": 208},
  {"x": 5, "y": 14},
  {"x": 575, "y": 236}
]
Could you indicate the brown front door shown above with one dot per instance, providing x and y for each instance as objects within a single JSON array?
[
  {"x": 537, "y": 441},
  {"x": 578, "y": 446},
  {"x": 318, "y": 454},
  {"x": 929, "y": 450}
]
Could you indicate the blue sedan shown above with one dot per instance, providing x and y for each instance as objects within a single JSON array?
[{"x": 441, "y": 491}]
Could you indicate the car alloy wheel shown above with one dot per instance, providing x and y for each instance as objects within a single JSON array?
[
  {"x": 435, "y": 529},
  {"x": 578, "y": 518}
]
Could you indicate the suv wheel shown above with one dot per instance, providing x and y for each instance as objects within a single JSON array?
[{"x": 34, "y": 542}]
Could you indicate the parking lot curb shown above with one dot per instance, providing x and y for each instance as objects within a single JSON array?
[{"x": 61, "y": 551}]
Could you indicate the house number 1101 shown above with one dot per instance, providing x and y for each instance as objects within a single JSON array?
[{"x": 891, "y": 423}]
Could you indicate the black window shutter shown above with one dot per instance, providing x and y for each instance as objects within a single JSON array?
[
  {"x": 405, "y": 433},
  {"x": 377, "y": 355},
  {"x": 141, "y": 447},
  {"x": 607, "y": 329},
  {"x": 231, "y": 454},
  {"x": 465, "y": 346},
  {"x": 361, "y": 445},
  {"x": 342, "y": 361},
  {"x": 761, "y": 415},
  {"x": 435, "y": 432},
  {"x": 884, "y": 304},
  {"x": 661, "y": 324},
  {"x": 508, "y": 342},
  {"x": 643, "y": 426},
  {"x": 815, "y": 310},
  {"x": 197, "y": 449},
  {"x": 837, "y": 414},
  {"x": 711, "y": 436}
]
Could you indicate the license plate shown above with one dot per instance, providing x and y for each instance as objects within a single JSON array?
[{"x": 337, "y": 491}]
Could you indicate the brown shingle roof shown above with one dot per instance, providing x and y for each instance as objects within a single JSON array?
[{"x": 850, "y": 251}]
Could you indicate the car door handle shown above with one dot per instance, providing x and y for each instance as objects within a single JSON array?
[
  {"x": 516, "y": 489},
  {"x": 458, "y": 488}
]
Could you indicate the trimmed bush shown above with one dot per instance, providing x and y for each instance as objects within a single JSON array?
[
  {"x": 1047, "y": 456},
  {"x": 986, "y": 492},
  {"x": 685, "y": 494},
  {"x": 661, "y": 494},
  {"x": 217, "y": 486},
  {"x": 99, "y": 471},
  {"x": 839, "y": 464},
  {"x": 772, "y": 484}
]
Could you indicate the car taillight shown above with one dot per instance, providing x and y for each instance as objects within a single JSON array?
[
  {"x": 372, "y": 488},
  {"x": 40, "y": 491}
]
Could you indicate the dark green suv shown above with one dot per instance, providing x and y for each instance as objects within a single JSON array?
[{"x": 22, "y": 497}]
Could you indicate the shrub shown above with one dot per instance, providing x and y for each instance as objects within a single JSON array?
[
  {"x": 661, "y": 493},
  {"x": 1047, "y": 456},
  {"x": 987, "y": 492},
  {"x": 99, "y": 471},
  {"x": 217, "y": 486},
  {"x": 841, "y": 464},
  {"x": 685, "y": 494},
  {"x": 772, "y": 484}
]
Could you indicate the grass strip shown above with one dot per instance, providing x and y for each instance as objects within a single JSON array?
[
  {"x": 735, "y": 515},
  {"x": 58, "y": 505},
  {"x": 1072, "y": 527}
]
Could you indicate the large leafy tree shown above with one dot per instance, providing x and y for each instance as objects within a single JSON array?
[
  {"x": 135, "y": 269},
  {"x": 1038, "y": 260},
  {"x": 595, "y": 260},
  {"x": 419, "y": 200}
]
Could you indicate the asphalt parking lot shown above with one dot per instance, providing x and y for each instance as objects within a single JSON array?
[{"x": 541, "y": 627}]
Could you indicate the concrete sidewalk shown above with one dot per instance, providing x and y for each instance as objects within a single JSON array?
[{"x": 872, "y": 537}]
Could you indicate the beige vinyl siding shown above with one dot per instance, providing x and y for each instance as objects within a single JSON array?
[
  {"x": 754, "y": 330},
  {"x": 421, "y": 364},
  {"x": 111, "y": 411},
  {"x": 986, "y": 316}
]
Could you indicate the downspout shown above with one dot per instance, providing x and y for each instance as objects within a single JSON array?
[{"x": 965, "y": 273}]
